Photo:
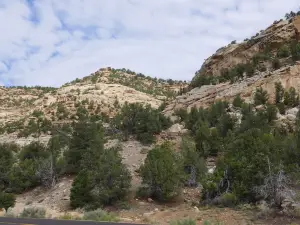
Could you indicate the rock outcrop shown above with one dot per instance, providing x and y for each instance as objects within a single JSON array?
[{"x": 274, "y": 36}]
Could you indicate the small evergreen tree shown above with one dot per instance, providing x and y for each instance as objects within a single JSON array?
[
  {"x": 276, "y": 64},
  {"x": 111, "y": 179},
  {"x": 295, "y": 50},
  {"x": 202, "y": 139},
  {"x": 260, "y": 97},
  {"x": 194, "y": 165},
  {"x": 291, "y": 98},
  {"x": 283, "y": 52},
  {"x": 6, "y": 163},
  {"x": 237, "y": 101},
  {"x": 7, "y": 200},
  {"x": 80, "y": 192},
  {"x": 85, "y": 146},
  {"x": 271, "y": 112},
  {"x": 162, "y": 173},
  {"x": 141, "y": 121},
  {"x": 279, "y": 92}
]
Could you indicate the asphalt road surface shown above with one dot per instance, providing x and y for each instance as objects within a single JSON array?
[{"x": 19, "y": 221}]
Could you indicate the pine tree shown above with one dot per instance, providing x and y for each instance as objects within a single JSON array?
[
  {"x": 202, "y": 139},
  {"x": 237, "y": 101},
  {"x": 260, "y": 97},
  {"x": 93, "y": 153},
  {"x": 7, "y": 200},
  {"x": 85, "y": 145},
  {"x": 194, "y": 165},
  {"x": 162, "y": 173},
  {"x": 6, "y": 162},
  {"x": 279, "y": 94},
  {"x": 111, "y": 179},
  {"x": 80, "y": 192}
]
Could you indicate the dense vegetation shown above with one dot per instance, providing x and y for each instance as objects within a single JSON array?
[
  {"x": 251, "y": 152},
  {"x": 141, "y": 121}
]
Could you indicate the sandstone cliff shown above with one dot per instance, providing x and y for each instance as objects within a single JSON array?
[{"x": 273, "y": 37}]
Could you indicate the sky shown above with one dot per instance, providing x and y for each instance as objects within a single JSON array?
[{"x": 51, "y": 42}]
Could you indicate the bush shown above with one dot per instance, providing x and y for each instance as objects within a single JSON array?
[
  {"x": 276, "y": 64},
  {"x": 106, "y": 184},
  {"x": 100, "y": 216},
  {"x": 291, "y": 98},
  {"x": 33, "y": 212},
  {"x": 10, "y": 214},
  {"x": 142, "y": 122},
  {"x": 184, "y": 222},
  {"x": 281, "y": 108},
  {"x": 162, "y": 173},
  {"x": 7, "y": 200},
  {"x": 238, "y": 101},
  {"x": 228, "y": 200},
  {"x": 244, "y": 164},
  {"x": 80, "y": 191},
  {"x": 194, "y": 165},
  {"x": 23, "y": 176},
  {"x": 271, "y": 113},
  {"x": 111, "y": 179},
  {"x": 279, "y": 92},
  {"x": 283, "y": 52},
  {"x": 86, "y": 143},
  {"x": 260, "y": 97},
  {"x": 295, "y": 50},
  {"x": 6, "y": 163},
  {"x": 68, "y": 216}
]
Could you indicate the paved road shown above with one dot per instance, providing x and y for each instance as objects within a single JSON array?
[{"x": 19, "y": 221}]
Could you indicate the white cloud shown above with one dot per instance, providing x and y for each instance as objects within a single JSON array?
[{"x": 168, "y": 38}]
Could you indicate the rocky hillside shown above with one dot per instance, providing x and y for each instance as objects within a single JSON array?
[
  {"x": 239, "y": 68},
  {"x": 101, "y": 93}
]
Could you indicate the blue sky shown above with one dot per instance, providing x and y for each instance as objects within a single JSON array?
[{"x": 50, "y": 42}]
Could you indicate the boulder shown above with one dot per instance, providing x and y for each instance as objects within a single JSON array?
[{"x": 292, "y": 111}]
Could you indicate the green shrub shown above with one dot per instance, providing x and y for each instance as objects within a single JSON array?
[
  {"x": 7, "y": 200},
  {"x": 295, "y": 50},
  {"x": 123, "y": 205},
  {"x": 279, "y": 92},
  {"x": 260, "y": 97},
  {"x": 162, "y": 173},
  {"x": 100, "y": 216},
  {"x": 194, "y": 165},
  {"x": 106, "y": 184},
  {"x": 6, "y": 163},
  {"x": 206, "y": 222},
  {"x": 10, "y": 214},
  {"x": 184, "y": 222},
  {"x": 141, "y": 121},
  {"x": 23, "y": 176},
  {"x": 271, "y": 113},
  {"x": 291, "y": 98},
  {"x": 68, "y": 216},
  {"x": 228, "y": 200},
  {"x": 238, "y": 101},
  {"x": 33, "y": 212},
  {"x": 281, "y": 108},
  {"x": 276, "y": 64},
  {"x": 244, "y": 164},
  {"x": 80, "y": 194},
  {"x": 283, "y": 52}
]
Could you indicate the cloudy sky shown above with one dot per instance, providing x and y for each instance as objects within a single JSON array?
[{"x": 50, "y": 42}]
